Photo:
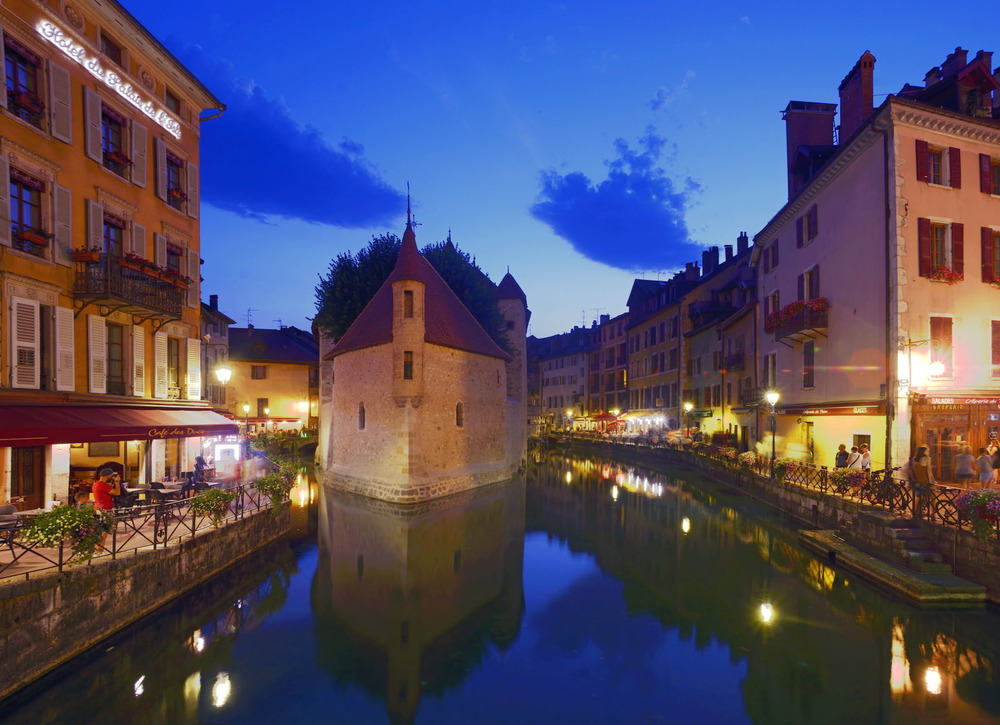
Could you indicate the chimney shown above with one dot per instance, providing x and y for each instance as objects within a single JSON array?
[
  {"x": 954, "y": 62},
  {"x": 856, "y": 97},
  {"x": 709, "y": 260},
  {"x": 691, "y": 271},
  {"x": 806, "y": 124},
  {"x": 605, "y": 319},
  {"x": 213, "y": 301},
  {"x": 249, "y": 329},
  {"x": 742, "y": 243},
  {"x": 729, "y": 252},
  {"x": 932, "y": 77}
]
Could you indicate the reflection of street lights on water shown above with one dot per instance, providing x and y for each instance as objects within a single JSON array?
[
  {"x": 772, "y": 398},
  {"x": 767, "y": 613}
]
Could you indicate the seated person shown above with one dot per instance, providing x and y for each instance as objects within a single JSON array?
[{"x": 82, "y": 499}]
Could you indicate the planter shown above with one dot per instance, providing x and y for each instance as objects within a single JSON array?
[
  {"x": 131, "y": 265},
  {"x": 33, "y": 237},
  {"x": 179, "y": 284},
  {"x": 80, "y": 256}
]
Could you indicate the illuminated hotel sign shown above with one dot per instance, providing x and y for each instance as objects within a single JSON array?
[{"x": 114, "y": 81}]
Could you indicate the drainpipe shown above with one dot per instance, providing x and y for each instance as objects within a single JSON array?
[{"x": 891, "y": 374}]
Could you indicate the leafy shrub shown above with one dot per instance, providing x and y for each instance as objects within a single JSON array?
[
  {"x": 783, "y": 467},
  {"x": 214, "y": 504},
  {"x": 83, "y": 528},
  {"x": 846, "y": 478}
]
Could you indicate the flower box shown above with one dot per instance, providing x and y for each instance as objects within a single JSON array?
[
  {"x": 33, "y": 236},
  {"x": 946, "y": 275},
  {"x": 82, "y": 255}
]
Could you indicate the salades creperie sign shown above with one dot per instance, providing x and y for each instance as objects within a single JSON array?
[{"x": 65, "y": 43}]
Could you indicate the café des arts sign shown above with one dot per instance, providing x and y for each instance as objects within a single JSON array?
[{"x": 111, "y": 79}]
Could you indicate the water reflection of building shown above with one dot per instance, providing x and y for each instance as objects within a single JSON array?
[{"x": 409, "y": 598}]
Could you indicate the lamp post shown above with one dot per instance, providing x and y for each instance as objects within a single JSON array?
[
  {"x": 223, "y": 374},
  {"x": 772, "y": 398},
  {"x": 934, "y": 369},
  {"x": 687, "y": 416},
  {"x": 267, "y": 420},
  {"x": 246, "y": 426}
]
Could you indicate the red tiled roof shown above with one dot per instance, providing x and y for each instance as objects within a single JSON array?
[{"x": 447, "y": 321}]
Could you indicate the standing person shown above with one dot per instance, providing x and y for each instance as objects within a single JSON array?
[
  {"x": 920, "y": 466},
  {"x": 104, "y": 488},
  {"x": 854, "y": 459},
  {"x": 984, "y": 467},
  {"x": 993, "y": 448},
  {"x": 965, "y": 464},
  {"x": 841, "y": 460},
  {"x": 199, "y": 474},
  {"x": 866, "y": 458}
]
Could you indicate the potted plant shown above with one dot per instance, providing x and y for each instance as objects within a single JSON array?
[
  {"x": 83, "y": 528},
  {"x": 87, "y": 255},
  {"x": 35, "y": 236},
  {"x": 982, "y": 509},
  {"x": 214, "y": 504},
  {"x": 783, "y": 467},
  {"x": 946, "y": 275},
  {"x": 276, "y": 487},
  {"x": 747, "y": 459},
  {"x": 844, "y": 479}
]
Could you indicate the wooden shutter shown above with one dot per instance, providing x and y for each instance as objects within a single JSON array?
[
  {"x": 941, "y": 328},
  {"x": 65, "y": 350},
  {"x": 995, "y": 346},
  {"x": 923, "y": 161},
  {"x": 160, "y": 365},
  {"x": 194, "y": 272},
  {"x": 802, "y": 287},
  {"x": 814, "y": 292},
  {"x": 97, "y": 353},
  {"x": 4, "y": 193},
  {"x": 24, "y": 343},
  {"x": 958, "y": 248},
  {"x": 95, "y": 225},
  {"x": 193, "y": 369},
  {"x": 798, "y": 232},
  {"x": 92, "y": 125},
  {"x": 955, "y": 168},
  {"x": 924, "y": 246},
  {"x": 987, "y": 254},
  {"x": 138, "y": 361},
  {"x": 160, "y": 250},
  {"x": 813, "y": 221},
  {"x": 140, "y": 152},
  {"x": 62, "y": 213},
  {"x": 193, "y": 191},
  {"x": 60, "y": 92},
  {"x": 985, "y": 180},
  {"x": 138, "y": 239},
  {"x": 774, "y": 254},
  {"x": 160, "y": 164}
]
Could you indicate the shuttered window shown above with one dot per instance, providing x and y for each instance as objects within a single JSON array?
[
  {"x": 138, "y": 361},
  {"x": 995, "y": 347},
  {"x": 808, "y": 364},
  {"x": 942, "y": 166},
  {"x": 193, "y": 369},
  {"x": 97, "y": 354},
  {"x": 941, "y": 345},
  {"x": 65, "y": 360},
  {"x": 25, "y": 334}
]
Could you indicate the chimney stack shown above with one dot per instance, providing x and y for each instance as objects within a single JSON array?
[
  {"x": 954, "y": 62},
  {"x": 729, "y": 252},
  {"x": 709, "y": 260},
  {"x": 742, "y": 243},
  {"x": 806, "y": 124},
  {"x": 213, "y": 301},
  {"x": 856, "y": 96},
  {"x": 932, "y": 76}
]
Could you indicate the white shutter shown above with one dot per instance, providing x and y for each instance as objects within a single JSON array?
[
  {"x": 160, "y": 365},
  {"x": 4, "y": 194},
  {"x": 138, "y": 239},
  {"x": 160, "y": 157},
  {"x": 92, "y": 125},
  {"x": 194, "y": 272},
  {"x": 60, "y": 92},
  {"x": 62, "y": 212},
  {"x": 95, "y": 225},
  {"x": 138, "y": 361},
  {"x": 193, "y": 191},
  {"x": 65, "y": 350},
  {"x": 194, "y": 369},
  {"x": 24, "y": 334},
  {"x": 97, "y": 353},
  {"x": 140, "y": 146},
  {"x": 160, "y": 250}
]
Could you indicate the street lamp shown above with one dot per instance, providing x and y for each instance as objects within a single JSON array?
[
  {"x": 246, "y": 417},
  {"x": 267, "y": 420},
  {"x": 223, "y": 374},
  {"x": 934, "y": 369},
  {"x": 772, "y": 398},
  {"x": 687, "y": 415}
]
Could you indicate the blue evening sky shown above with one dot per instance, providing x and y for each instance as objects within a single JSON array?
[{"x": 581, "y": 144}]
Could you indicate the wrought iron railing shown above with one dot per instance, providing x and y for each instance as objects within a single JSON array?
[{"x": 107, "y": 277}]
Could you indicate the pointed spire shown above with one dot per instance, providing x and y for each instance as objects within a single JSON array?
[{"x": 408, "y": 219}]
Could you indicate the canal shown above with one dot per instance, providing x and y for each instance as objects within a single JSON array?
[{"x": 586, "y": 592}]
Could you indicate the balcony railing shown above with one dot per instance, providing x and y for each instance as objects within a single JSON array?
[
  {"x": 106, "y": 278},
  {"x": 804, "y": 325}
]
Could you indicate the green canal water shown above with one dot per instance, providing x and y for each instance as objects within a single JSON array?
[{"x": 587, "y": 591}]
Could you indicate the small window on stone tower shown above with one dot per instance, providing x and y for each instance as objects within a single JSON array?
[
  {"x": 407, "y": 303},
  {"x": 459, "y": 415},
  {"x": 407, "y": 365},
  {"x": 361, "y": 416}
]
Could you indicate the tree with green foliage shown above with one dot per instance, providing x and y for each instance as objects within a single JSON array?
[{"x": 352, "y": 280}]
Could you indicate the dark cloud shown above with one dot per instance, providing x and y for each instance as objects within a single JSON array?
[
  {"x": 259, "y": 162},
  {"x": 632, "y": 220}
]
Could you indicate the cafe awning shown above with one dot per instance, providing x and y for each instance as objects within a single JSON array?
[{"x": 39, "y": 425}]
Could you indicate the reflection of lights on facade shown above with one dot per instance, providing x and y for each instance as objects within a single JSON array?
[
  {"x": 192, "y": 690},
  {"x": 221, "y": 690},
  {"x": 685, "y": 524},
  {"x": 569, "y": 477},
  {"x": 932, "y": 680},
  {"x": 767, "y": 612},
  {"x": 137, "y": 687},
  {"x": 197, "y": 641},
  {"x": 614, "y": 493}
]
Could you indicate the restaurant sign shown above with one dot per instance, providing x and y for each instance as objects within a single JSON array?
[
  {"x": 962, "y": 400},
  {"x": 176, "y": 432},
  {"x": 860, "y": 409}
]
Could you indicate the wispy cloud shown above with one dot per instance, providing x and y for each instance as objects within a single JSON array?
[
  {"x": 632, "y": 220},
  {"x": 260, "y": 162},
  {"x": 664, "y": 96}
]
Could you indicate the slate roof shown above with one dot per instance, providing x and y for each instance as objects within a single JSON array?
[
  {"x": 509, "y": 289},
  {"x": 447, "y": 322},
  {"x": 287, "y": 345}
]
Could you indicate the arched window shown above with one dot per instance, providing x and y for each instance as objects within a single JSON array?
[
  {"x": 459, "y": 415},
  {"x": 361, "y": 416}
]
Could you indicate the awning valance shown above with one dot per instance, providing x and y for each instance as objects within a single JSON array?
[{"x": 38, "y": 425}]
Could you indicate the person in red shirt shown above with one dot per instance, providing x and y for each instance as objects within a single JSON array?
[{"x": 104, "y": 488}]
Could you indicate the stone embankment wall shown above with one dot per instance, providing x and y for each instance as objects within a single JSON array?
[
  {"x": 49, "y": 619},
  {"x": 862, "y": 526}
]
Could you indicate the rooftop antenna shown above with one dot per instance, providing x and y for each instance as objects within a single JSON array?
[
  {"x": 280, "y": 326},
  {"x": 410, "y": 222},
  {"x": 249, "y": 315}
]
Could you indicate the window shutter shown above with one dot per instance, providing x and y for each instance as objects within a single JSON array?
[
  {"x": 140, "y": 151},
  {"x": 193, "y": 191},
  {"x": 814, "y": 292},
  {"x": 138, "y": 239},
  {"x": 985, "y": 182},
  {"x": 774, "y": 254},
  {"x": 955, "y": 168},
  {"x": 138, "y": 361},
  {"x": 923, "y": 162},
  {"x": 97, "y": 353},
  {"x": 92, "y": 125},
  {"x": 60, "y": 92},
  {"x": 802, "y": 287},
  {"x": 160, "y": 250},
  {"x": 95, "y": 225},
  {"x": 995, "y": 346},
  {"x": 4, "y": 195},
  {"x": 160, "y": 365},
  {"x": 924, "y": 246},
  {"x": 24, "y": 334},
  {"x": 987, "y": 255},
  {"x": 65, "y": 345},
  {"x": 798, "y": 232},
  {"x": 958, "y": 248},
  {"x": 160, "y": 162},
  {"x": 62, "y": 212},
  {"x": 194, "y": 272},
  {"x": 194, "y": 369},
  {"x": 813, "y": 221}
]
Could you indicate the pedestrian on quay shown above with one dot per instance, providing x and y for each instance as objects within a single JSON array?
[
  {"x": 841, "y": 460},
  {"x": 866, "y": 458},
  {"x": 984, "y": 466},
  {"x": 920, "y": 467},
  {"x": 993, "y": 448},
  {"x": 854, "y": 459},
  {"x": 104, "y": 488},
  {"x": 965, "y": 466}
]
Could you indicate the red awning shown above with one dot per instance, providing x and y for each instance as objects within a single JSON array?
[{"x": 39, "y": 425}]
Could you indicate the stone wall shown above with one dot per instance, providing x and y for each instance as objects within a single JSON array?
[{"x": 49, "y": 619}]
